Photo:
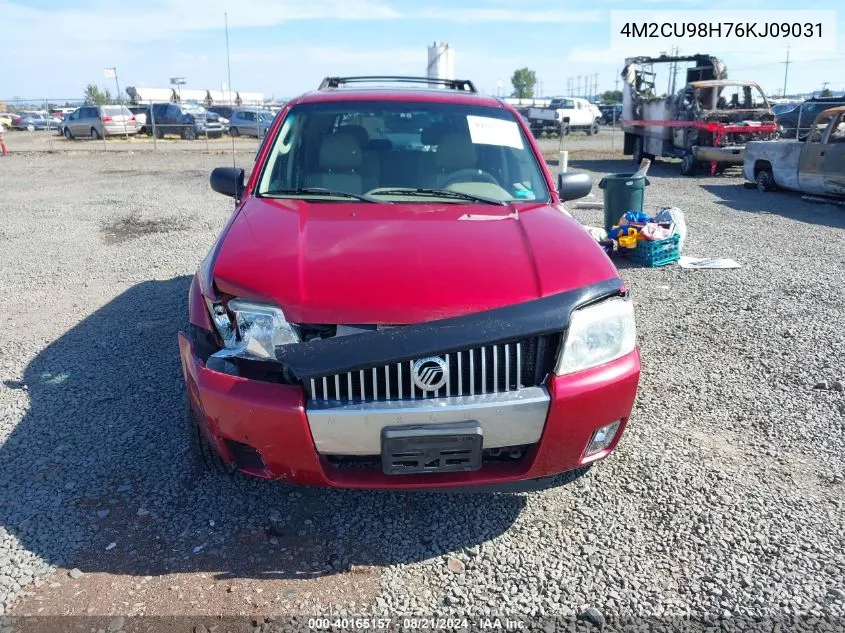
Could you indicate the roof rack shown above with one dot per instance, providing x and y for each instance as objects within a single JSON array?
[{"x": 452, "y": 84}]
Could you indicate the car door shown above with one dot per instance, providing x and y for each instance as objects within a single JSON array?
[
  {"x": 813, "y": 155},
  {"x": 70, "y": 120},
  {"x": 833, "y": 160},
  {"x": 81, "y": 125},
  {"x": 252, "y": 123}
]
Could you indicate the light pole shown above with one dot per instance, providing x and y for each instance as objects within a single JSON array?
[
  {"x": 178, "y": 82},
  {"x": 109, "y": 73}
]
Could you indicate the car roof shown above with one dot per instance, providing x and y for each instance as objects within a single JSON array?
[{"x": 428, "y": 95}]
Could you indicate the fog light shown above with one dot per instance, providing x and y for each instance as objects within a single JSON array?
[{"x": 602, "y": 438}]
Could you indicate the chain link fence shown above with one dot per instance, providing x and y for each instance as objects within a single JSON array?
[{"x": 59, "y": 124}]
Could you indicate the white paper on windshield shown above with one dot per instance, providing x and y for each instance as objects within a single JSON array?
[{"x": 489, "y": 131}]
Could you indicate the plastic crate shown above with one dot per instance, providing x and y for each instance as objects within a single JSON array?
[{"x": 658, "y": 252}]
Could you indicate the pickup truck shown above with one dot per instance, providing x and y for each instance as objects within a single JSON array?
[
  {"x": 564, "y": 115},
  {"x": 813, "y": 164}
]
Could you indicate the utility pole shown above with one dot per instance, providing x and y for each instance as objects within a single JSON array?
[
  {"x": 578, "y": 89},
  {"x": 785, "y": 70},
  {"x": 112, "y": 73}
]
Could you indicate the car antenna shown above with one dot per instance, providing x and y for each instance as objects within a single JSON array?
[{"x": 229, "y": 85}]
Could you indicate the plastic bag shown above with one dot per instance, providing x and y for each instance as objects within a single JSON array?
[
  {"x": 674, "y": 218},
  {"x": 653, "y": 231}
]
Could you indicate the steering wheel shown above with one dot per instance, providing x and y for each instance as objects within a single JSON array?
[{"x": 470, "y": 175}]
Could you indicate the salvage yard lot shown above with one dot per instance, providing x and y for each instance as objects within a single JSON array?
[{"x": 725, "y": 497}]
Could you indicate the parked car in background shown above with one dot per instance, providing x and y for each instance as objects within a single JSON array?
[
  {"x": 563, "y": 115},
  {"x": 142, "y": 116},
  {"x": 61, "y": 113},
  {"x": 798, "y": 120},
  {"x": 36, "y": 120},
  {"x": 188, "y": 121},
  {"x": 815, "y": 165},
  {"x": 250, "y": 122},
  {"x": 611, "y": 114},
  {"x": 223, "y": 111},
  {"x": 99, "y": 122},
  {"x": 350, "y": 327}
]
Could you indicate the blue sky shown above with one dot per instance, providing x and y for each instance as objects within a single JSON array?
[{"x": 281, "y": 48}]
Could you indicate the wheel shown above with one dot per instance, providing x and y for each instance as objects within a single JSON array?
[
  {"x": 638, "y": 150},
  {"x": 189, "y": 133},
  {"x": 30, "y": 127},
  {"x": 593, "y": 129},
  {"x": 565, "y": 129},
  {"x": 94, "y": 134},
  {"x": 207, "y": 459},
  {"x": 689, "y": 166},
  {"x": 765, "y": 180},
  {"x": 234, "y": 131},
  {"x": 159, "y": 132},
  {"x": 68, "y": 134}
]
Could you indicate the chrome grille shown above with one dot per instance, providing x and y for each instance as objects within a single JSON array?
[{"x": 488, "y": 369}]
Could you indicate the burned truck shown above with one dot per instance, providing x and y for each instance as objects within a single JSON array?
[{"x": 705, "y": 123}]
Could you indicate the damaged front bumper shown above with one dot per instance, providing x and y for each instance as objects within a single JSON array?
[
  {"x": 272, "y": 420},
  {"x": 329, "y": 428}
]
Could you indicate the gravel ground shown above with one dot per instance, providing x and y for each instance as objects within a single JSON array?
[{"x": 724, "y": 501}]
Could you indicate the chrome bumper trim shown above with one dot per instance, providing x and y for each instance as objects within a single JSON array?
[{"x": 508, "y": 418}]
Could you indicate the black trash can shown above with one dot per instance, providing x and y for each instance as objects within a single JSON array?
[{"x": 622, "y": 193}]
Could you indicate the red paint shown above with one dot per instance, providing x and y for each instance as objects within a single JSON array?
[
  {"x": 271, "y": 419},
  {"x": 719, "y": 129},
  {"x": 367, "y": 263},
  {"x": 396, "y": 264}
]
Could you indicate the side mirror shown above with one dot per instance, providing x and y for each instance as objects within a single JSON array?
[
  {"x": 573, "y": 186},
  {"x": 228, "y": 180}
]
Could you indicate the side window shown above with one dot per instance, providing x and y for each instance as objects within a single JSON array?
[{"x": 837, "y": 132}]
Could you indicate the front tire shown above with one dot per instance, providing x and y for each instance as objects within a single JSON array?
[
  {"x": 234, "y": 132},
  {"x": 765, "y": 180},
  {"x": 189, "y": 133},
  {"x": 68, "y": 134},
  {"x": 637, "y": 152},
  {"x": 206, "y": 458},
  {"x": 689, "y": 165},
  {"x": 94, "y": 134}
]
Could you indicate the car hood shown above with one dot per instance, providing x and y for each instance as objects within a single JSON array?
[{"x": 360, "y": 263}]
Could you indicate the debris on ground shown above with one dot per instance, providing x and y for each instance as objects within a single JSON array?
[{"x": 707, "y": 262}]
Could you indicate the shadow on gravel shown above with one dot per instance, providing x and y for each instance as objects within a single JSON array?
[
  {"x": 99, "y": 475},
  {"x": 787, "y": 204}
]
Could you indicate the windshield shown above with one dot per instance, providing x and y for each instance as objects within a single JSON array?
[
  {"x": 739, "y": 97},
  {"x": 379, "y": 148}
]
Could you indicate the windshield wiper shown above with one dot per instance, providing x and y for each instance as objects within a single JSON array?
[
  {"x": 321, "y": 191},
  {"x": 443, "y": 193}
]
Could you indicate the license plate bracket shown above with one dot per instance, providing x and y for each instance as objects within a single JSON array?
[{"x": 431, "y": 448}]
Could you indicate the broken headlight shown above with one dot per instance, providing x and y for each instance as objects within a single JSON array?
[
  {"x": 250, "y": 328},
  {"x": 598, "y": 334}
]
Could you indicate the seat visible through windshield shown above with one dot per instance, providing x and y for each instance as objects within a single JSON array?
[{"x": 375, "y": 148}]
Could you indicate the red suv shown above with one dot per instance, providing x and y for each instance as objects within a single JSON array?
[{"x": 400, "y": 300}]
